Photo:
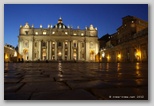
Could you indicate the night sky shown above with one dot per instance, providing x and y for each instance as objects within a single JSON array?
[{"x": 106, "y": 17}]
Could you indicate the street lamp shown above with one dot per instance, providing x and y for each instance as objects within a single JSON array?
[
  {"x": 103, "y": 54},
  {"x": 108, "y": 58},
  {"x": 119, "y": 56}
]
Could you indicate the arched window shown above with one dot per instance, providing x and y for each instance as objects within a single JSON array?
[
  {"x": 43, "y": 43},
  {"x": 26, "y": 32}
]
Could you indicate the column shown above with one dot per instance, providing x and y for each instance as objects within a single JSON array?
[
  {"x": 47, "y": 51},
  {"x": 55, "y": 50},
  {"x": 68, "y": 56},
  {"x": 96, "y": 49},
  {"x": 79, "y": 50},
  {"x": 63, "y": 52},
  {"x": 50, "y": 52},
  {"x": 30, "y": 51},
  {"x": 71, "y": 51},
  {"x": 40, "y": 50},
  {"x": 20, "y": 48},
  {"x": 97, "y": 46},
  {"x": 87, "y": 51}
]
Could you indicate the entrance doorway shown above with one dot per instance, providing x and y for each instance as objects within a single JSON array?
[
  {"x": 44, "y": 54},
  {"x": 59, "y": 55},
  {"x": 25, "y": 54}
]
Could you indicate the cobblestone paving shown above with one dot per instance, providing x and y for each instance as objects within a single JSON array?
[{"x": 75, "y": 81}]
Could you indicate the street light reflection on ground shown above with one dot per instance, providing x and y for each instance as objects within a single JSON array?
[
  {"x": 107, "y": 67},
  {"x": 118, "y": 67},
  {"x": 138, "y": 72},
  {"x": 59, "y": 66},
  {"x": 137, "y": 66}
]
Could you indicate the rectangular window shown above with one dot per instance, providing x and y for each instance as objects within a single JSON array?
[
  {"x": 65, "y": 44},
  {"x": 53, "y": 44},
  {"x": 65, "y": 51},
  {"x": 59, "y": 44},
  {"x": 43, "y": 43},
  {"x": 53, "y": 57},
  {"x": 53, "y": 51},
  {"x": 65, "y": 57},
  {"x": 82, "y": 44},
  {"x": 26, "y": 32},
  {"x": 75, "y": 45},
  {"x": 44, "y": 33},
  {"x": 35, "y": 44},
  {"x": 53, "y": 32},
  {"x": 66, "y": 33},
  {"x": 36, "y": 33}
]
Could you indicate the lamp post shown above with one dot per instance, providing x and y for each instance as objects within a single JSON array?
[
  {"x": 102, "y": 55},
  {"x": 119, "y": 57}
]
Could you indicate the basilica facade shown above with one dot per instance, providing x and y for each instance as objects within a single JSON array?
[{"x": 58, "y": 42}]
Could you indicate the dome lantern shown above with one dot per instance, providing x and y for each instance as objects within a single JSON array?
[
  {"x": 60, "y": 24},
  {"x": 60, "y": 20}
]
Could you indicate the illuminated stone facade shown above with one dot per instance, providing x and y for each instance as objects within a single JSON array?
[
  {"x": 129, "y": 43},
  {"x": 59, "y": 42},
  {"x": 10, "y": 54}
]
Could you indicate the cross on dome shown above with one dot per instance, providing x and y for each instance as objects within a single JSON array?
[{"x": 60, "y": 20}]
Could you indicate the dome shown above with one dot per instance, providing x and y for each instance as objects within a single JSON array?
[{"x": 60, "y": 24}]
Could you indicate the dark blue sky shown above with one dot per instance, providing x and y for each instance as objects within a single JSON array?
[{"x": 106, "y": 17}]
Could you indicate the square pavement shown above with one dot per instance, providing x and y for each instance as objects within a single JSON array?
[{"x": 75, "y": 81}]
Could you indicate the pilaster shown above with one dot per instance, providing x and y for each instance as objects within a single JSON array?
[
  {"x": 40, "y": 52},
  {"x": 69, "y": 54},
  {"x": 87, "y": 51},
  {"x": 47, "y": 52},
  {"x": 55, "y": 50},
  {"x": 79, "y": 50},
  {"x": 50, "y": 52}
]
